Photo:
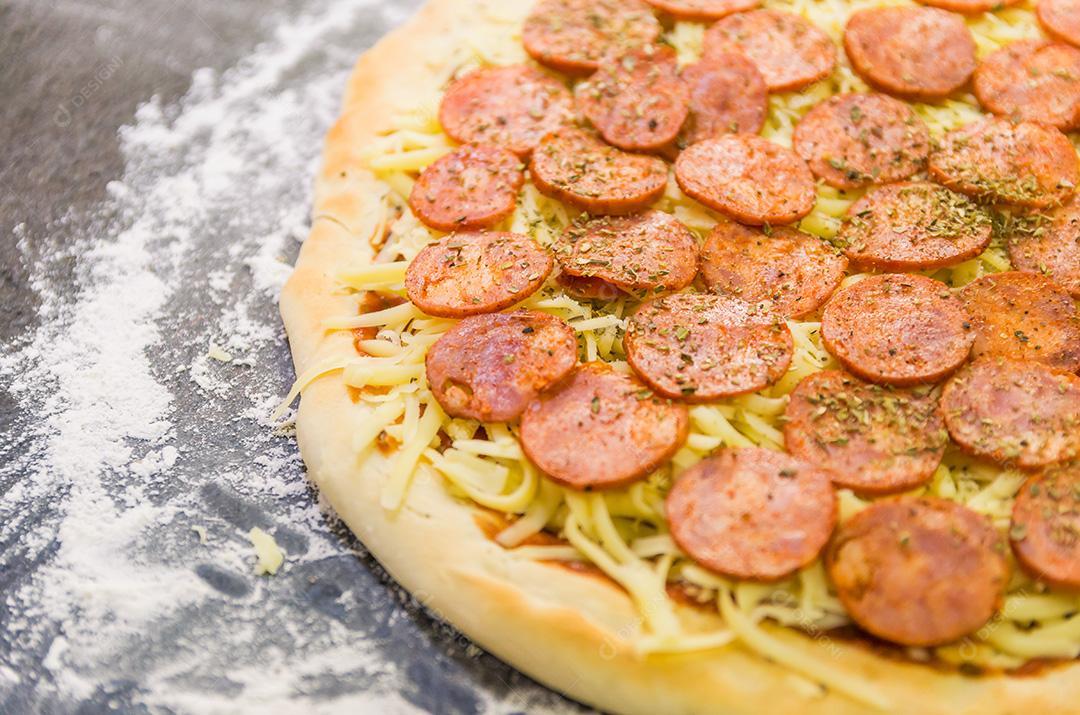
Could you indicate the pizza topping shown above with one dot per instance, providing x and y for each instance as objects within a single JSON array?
[
  {"x": 490, "y": 367},
  {"x": 700, "y": 347},
  {"x": 599, "y": 428},
  {"x": 790, "y": 52},
  {"x": 914, "y": 52},
  {"x": 914, "y": 227},
  {"x": 918, "y": 572},
  {"x": 727, "y": 95},
  {"x": 510, "y": 107},
  {"x": 1045, "y": 531},
  {"x": 970, "y": 7},
  {"x": 471, "y": 187},
  {"x": 572, "y": 36},
  {"x": 752, "y": 513},
  {"x": 471, "y": 273},
  {"x": 872, "y": 439},
  {"x": 636, "y": 100},
  {"x": 897, "y": 329},
  {"x": 1052, "y": 250},
  {"x": 1015, "y": 412},
  {"x": 1060, "y": 19},
  {"x": 575, "y": 167},
  {"x": 702, "y": 10},
  {"x": 1025, "y": 164},
  {"x": 640, "y": 254},
  {"x": 749, "y": 178},
  {"x": 1023, "y": 316},
  {"x": 794, "y": 272},
  {"x": 1034, "y": 81},
  {"x": 851, "y": 140}
]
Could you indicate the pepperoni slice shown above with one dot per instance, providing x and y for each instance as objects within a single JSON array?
[
  {"x": 1033, "y": 81},
  {"x": 490, "y": 367},
  {"x": 510, "y": 107},
  {"x": 581, "y": 170},
  {"x": 471, "y": 187},
  {"x": 1023, "y": 316},
  {"x": 636, "y": 99},
  {"x": 700, "y": 347},
  {"x": 702, "y": 10},
  {"x": 599, "y": 428},
  {"x": 873, "y": 439},
  {"x": 918, "y": 572},
  {"x": 1024, "y": 164},
  {"x": 914, "y": 226},
  {"x": 897, "y": 329},
  {"x": 1016, "y": 412},
  {"x": 470, "y": 273},
  {"x": 1060, "y": 19},
  {"x": 749, "y": 178},
  {"x": 795, "y": 272},
  {"x": 851, "y": 140},
  {"x": 645, "y": 253},
  {"x": 1045, "y": 532},
  {"x": 1053, "y": 251},
  {"x": 727, "y": 95},
  {"x": 573, "y": 35},
  {"x": 790, "y": 52},
  {"x": 752, "y": 513},
  {"x": 914, "y": 52},
  {"x": 970, "y": 7}
]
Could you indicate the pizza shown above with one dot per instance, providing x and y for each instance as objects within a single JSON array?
[{"x": 710, "y": 355}]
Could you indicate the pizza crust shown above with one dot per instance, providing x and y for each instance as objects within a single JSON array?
[{"x": 568, "y": 629}]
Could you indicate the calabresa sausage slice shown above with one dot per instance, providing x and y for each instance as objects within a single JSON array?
[
  {"x": 970, "y": 7},
  {"x": 1052, "y": 250},
  {"x": 793, "y": 271},
  {"x": 748, "y": 178},
  {"x": 851, "y": 140},
  {"x": 790, "y": 52},
  {"x": 727, "y": 96},
  {"x": 1060, "y": 19},
  {"x": 1025, "y": 164},
  {"x": 914, "y": 52},
  {"x": 573, "y": 35},
  {"x": 471, "y": 187},
  {"x": 510, "y": 107},
  {"x": 914, "y": 226},
  {"x": 490, "y": 367},
  {"x": 641, "y": 254},
  {"x": 1014, "y": 412},
  {"x": 897, "y": 329},
  {"x": 872, "y": 439},
  {"x": 702, "y": 10},
  {"x": 581, "y": 170},
  {"x": 585, "y": 288},
  {"x": 599, "y": 428},
  {"x": 1033, "y": 81},
  {"x": 752, "y": 513},
  {"x": 918, "y": 572},
  {"x": 470, "y": 273},
  {"x": 700, "y": 347},
  {"x": 636, "y": 100},
  {"x": 1045, "y": 532},
  {"x": 1023, "y": 316}
]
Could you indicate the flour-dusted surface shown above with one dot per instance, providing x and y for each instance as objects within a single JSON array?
[{"x": 140, "y": 456}]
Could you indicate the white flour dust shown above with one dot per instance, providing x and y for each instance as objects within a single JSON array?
[{"x": 146, "y": 393}]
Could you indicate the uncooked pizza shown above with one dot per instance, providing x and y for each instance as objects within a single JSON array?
[{"x": 714, "y": 355}]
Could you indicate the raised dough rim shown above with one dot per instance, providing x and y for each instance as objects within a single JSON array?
[{"x": 564, "y": 628}]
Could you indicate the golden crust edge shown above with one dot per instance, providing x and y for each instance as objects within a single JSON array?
[{"x": 566, "y": 629}]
